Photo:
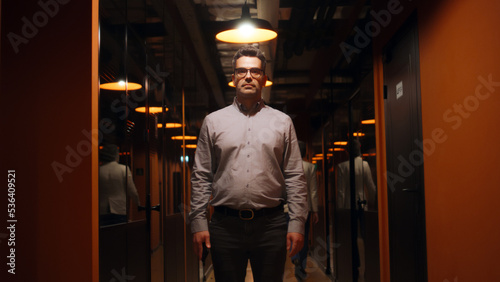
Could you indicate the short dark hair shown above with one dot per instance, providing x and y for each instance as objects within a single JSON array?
[
  {"x": 356, "y": 147},
  {"x": 108, "y": 153},
  {"x": 250, "y": 51}
]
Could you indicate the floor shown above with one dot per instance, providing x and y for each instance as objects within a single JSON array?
[{"x": 314, "y": 273}]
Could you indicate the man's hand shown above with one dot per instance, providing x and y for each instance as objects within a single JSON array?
[
  {"x": 314, "y": 217},
  {"x": 198, "y": 239},
  {"x": 295, "y": 241}
]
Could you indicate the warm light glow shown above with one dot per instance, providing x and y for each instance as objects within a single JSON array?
[
  {"x": 268, "y": 83},
  {"x": 246, "y": 29},
  {"x": 152, "y": 110},
  {"x": 189, "y": 146},
  {"x": 246, "y": 34},
  {"x": 358, "y": 134},
  {"x": 321, "y": 155},
  {"x": 369, "y": 155},
  {"x": 317, "y": 158},
  {"x": 120, "y": 86},
  {"x": 368, "y": 121},
  {"x": 187, "y": 137},
  {"x": 340, "y": 143},
  {"x": 336, "y": 149},
  {"x": 170, "y": 125}
]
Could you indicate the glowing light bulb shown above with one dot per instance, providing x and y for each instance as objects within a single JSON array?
[{"x": 246, "y": 30}]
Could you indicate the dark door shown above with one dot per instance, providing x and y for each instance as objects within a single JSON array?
[{"x": 405, "y": 157}]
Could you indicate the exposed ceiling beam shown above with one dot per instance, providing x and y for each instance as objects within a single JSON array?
[
  {"x": 329, "y": 56},
  {"x": 189, "y": 17}
]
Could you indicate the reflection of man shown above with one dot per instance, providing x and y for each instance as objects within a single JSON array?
[
  {"x": 300, "y": 259},
  {"x": 365, "y": 199},
  {"x": 365, "y": 188},
  {"x": 249, "y": 162},
  {"x": 115, "y": 182}
]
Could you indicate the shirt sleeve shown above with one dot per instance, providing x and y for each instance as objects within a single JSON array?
[
  {"x": 342, "y": 186},
  {"x": 371, "y": 190},
  {"x": 201, "y": 180},
  {"x": 313, "y": 189},
  {"x": 131, "y": 189},
  {"x": 295, "y": 183}
]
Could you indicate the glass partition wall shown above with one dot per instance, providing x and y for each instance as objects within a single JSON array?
[
  {"x": 150, "y": 99},
  {"x": 347, "y": 244},
  {"x": 353, "y": 185}
]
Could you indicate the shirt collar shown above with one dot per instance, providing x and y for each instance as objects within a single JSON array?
[{"x": 257, "y": 107}]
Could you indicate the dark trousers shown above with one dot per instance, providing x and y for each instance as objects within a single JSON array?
[{"x": 261, "y": 240}]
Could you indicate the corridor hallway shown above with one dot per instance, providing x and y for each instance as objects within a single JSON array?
[{"x": 314, "y": 273}]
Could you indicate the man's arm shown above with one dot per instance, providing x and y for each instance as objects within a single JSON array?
[
  {"x": 313, "y": 193},
  {"x": 295, "y": 183},
  {"x": 201, "y": 181},
  {"x": 200, "y": 238},
  {"x": 294, "y": 243}
]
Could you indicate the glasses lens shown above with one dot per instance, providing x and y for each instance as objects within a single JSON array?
[
  {"x": 254, "y": 72},
  {"x": 241, "y": 72}
]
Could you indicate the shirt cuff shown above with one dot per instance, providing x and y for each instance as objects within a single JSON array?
[
  {"x": 296, "y": 226},
  {"x": 198, "y": 225}
]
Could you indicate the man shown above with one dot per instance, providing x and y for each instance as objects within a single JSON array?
[
  {"x": 248, "y": 161},
  {"x": 115, "y": 183},
  {"x": 366, "y": 195},
  {"x": 300, "y": 259}
]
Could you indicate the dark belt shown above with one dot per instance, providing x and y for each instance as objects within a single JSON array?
[{"x": 247, "y": 214}]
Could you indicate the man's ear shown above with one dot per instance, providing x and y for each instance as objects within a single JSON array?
[{"x": 264, "y": 80}]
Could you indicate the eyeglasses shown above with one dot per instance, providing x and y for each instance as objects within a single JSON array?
[{"x": 254, "y": 72}]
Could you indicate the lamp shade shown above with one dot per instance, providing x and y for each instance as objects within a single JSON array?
[
  {"x": 268, "y": 83},
  {"x": 120, "y": 86},
  {"x": 152, "y": 110},
  {"x": 170, "y": 125},
  {"x": 247, "y": 29}
]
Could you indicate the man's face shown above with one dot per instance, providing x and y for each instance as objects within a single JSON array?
[{"x": 248, "y": 87}]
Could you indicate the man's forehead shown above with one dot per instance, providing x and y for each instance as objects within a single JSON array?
[{"x": 247, "y": 61}]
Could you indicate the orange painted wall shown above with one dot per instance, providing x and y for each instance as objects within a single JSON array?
[
  {"x": 459, "y": 49},
  {"x": 47, "y": 103},
  {"x": 459, "y": 44}
]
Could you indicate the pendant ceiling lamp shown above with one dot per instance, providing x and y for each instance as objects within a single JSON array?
[
  {"x": 152, "y": 110},
  {"x": 247, "y": 29},
  {"x": 169, "y": 125},
  {"x": 268, "y": 83},
  {"x": 120, "y": 86}
]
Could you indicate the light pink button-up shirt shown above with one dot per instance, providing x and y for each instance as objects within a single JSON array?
[{"x": 248, "y": 160}]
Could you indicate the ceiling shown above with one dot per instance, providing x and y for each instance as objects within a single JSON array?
[{"x": 311, "y": 76}]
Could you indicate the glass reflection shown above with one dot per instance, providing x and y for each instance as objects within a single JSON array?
[{"x": 115, "y": 184}]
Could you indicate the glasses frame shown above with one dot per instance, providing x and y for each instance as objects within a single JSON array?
[{"x": 246, "y": 73}]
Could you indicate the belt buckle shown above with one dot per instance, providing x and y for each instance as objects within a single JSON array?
[{"x": 242, "y": 213}]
